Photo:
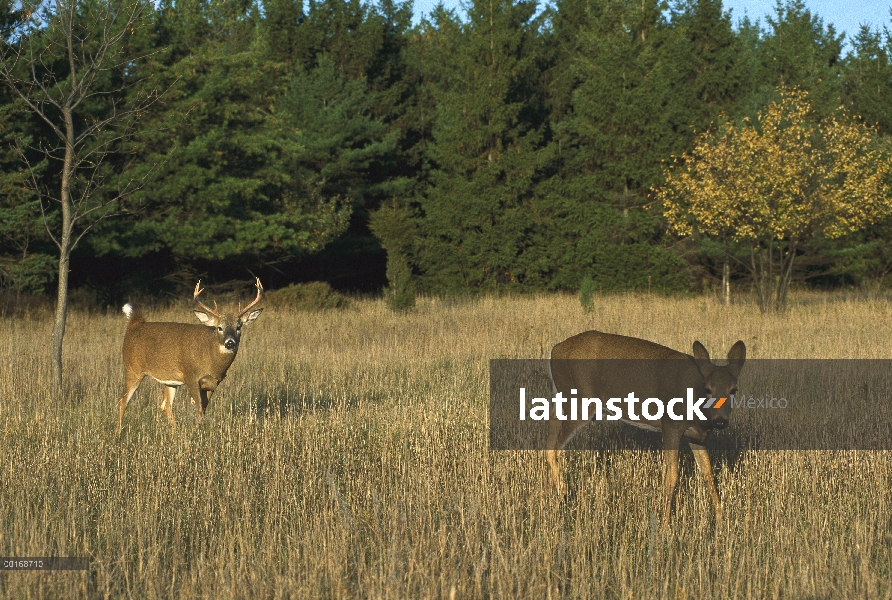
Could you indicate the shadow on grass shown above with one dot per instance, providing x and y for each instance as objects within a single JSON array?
[
  {"x": 726, "y": 451},
  {"x": 285, "y": 402}
]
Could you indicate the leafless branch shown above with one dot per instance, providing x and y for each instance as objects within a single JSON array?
[
  {"x": 38, "y": 191},
  {"x": 131, "y": 187},
  {"x": 42, "y": 39}
]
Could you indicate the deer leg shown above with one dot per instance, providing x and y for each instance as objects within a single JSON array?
[
  {"x": 560, "y": 432},
  {"x": 670, "y": 481},
  {"x": 205, "y": 399},
  {"x": 671, "y": 440},
  {"x": 206, "y": 387},
  {"x": 167, "y": 404},
  {"x": 200, "y": 397},
  {"x": 195, "y": 392},
  {"x": 131, "y": 382},
  {"x": 555, "y": 443},
  {"x": 705, "y": 466},
  {"x": 552, "y": 456}
]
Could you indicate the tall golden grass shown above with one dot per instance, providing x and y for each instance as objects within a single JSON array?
[{"x": 346, "y": 456}]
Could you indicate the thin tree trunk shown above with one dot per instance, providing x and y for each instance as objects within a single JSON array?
[
  {"x": 61, "y": 314},
  {"x": 59, "y": 320},
  {"x": 762, "y": 277},
  {"x": 769, "y": 281},
  {"x": 757, "y": 272},
  {"x": 726, "y": 283},
  {"x": 786, "y": 275}
]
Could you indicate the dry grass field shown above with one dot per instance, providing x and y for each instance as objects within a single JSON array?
[{"x": 346, "y": 456}]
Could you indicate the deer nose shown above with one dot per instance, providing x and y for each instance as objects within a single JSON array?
[
  {"x": 720, "y": 423},
  {"x": 229, "y": 344}
]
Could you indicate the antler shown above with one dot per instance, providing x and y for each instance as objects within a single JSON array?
[
  {"x": 198, "y": 290},
  {"x": 256, "y": 300}
]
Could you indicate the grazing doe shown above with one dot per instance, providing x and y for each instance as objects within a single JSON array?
[
  {"x": 595, "y": 364},
  {"x": 176, "y": 354}
]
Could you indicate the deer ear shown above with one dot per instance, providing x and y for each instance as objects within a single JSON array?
[
  {"x": 736, "y": 357},
  {"x": 251, "y": 316},
  {"x": 700, "y": 352},
  {"x": 202, "y": 316},
  {"x": 701, "y": 359}
]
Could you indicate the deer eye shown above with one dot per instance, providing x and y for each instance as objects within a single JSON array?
[{"x": 220, "y": 329}]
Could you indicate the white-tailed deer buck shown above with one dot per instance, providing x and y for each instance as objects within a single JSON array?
[
  {"x": 595, "y": 364},
  {"x": 176, "y": 354}
]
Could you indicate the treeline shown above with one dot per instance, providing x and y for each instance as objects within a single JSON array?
[{"x": 514, "y": 149}]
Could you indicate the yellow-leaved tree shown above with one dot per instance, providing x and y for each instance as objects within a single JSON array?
[{"x": 778, "y": 182}]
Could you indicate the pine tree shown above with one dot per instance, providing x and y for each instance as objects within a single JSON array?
[
  {"x": 347, "y": 98},
  {"x": 712, "y": 67},
  {"x": 486, "y": 129},
  {"x": 868, "y": 79},
  {"x": 797, "y": 50},
  {"x": 623, "y": 120},
  {"x": 228, "y": 186}
]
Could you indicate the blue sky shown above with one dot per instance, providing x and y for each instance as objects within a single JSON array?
[{"x": 845, "y": 16}]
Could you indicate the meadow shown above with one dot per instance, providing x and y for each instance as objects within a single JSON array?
[{"x": 346, "y": 456}]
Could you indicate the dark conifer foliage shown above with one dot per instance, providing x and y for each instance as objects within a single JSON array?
[
  {"x": 486, "y": 154},
  {"x": 512, "y": 148}
]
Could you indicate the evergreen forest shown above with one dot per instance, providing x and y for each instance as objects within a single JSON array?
[{"x": 514, "y": 148}]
